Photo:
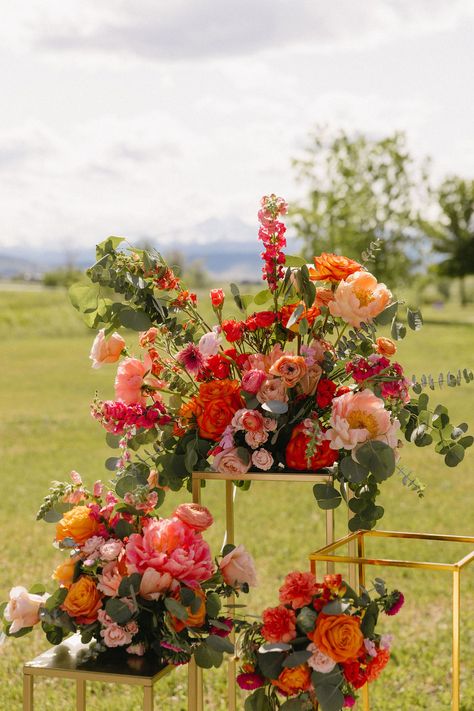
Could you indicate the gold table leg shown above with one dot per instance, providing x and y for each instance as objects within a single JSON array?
[
  {"x": 28, "y": 681},
  {"x": 80, "y": 695},
  {"x": 230, "y": 538},
  {"x": 148, "y": 698},
  {"x": 329, "y": 537},
  {"x": 456, "y": 638},
  {"x": 192, "y": 685}
]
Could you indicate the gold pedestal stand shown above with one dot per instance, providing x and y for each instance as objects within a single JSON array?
[
  {"x": 72, "y": 660},
  {"x": 195, "y": 673},
  {"x": 327, "y": 554}
]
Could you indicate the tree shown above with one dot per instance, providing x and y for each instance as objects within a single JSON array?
[
  {"x": 453, "y": 234},
  {"x": 361, "y": 190}
]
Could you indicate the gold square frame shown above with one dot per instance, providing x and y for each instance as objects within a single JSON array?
[{"x": 357, "y": 539}]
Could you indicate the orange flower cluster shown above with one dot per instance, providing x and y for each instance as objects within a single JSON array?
[{"x": 214, "y": 407}]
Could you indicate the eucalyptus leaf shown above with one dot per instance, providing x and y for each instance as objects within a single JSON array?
[
  {"x": 327, "y": 496},
  {"x": 118, "y": 610},
  {"x": 330, "y": 697}
]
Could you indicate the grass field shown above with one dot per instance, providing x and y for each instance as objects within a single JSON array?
[{"x": 46, "y": 384}]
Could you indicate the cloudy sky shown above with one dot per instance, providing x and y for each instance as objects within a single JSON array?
[{"x": 136, "y": 117}]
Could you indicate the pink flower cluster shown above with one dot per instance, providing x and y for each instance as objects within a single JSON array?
[
  {"x": 272, "y": 234},
  {"x": 113, "y": 634},
  {"x": 365, "y": 369},
  {"x": 117, "y": 417}
]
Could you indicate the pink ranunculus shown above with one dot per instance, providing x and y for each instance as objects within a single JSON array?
[
  {"x": 115, "y": 636},
  {"x": 370, "y": 647},
  {"x": 170, "y": 546},
  {"x": 262, "y": 459},
  {"x": 109, "y": 579},
  {"x": 252, "y": 380},
  {"x": 359, "y": 417},
  {"x": 76, "y": 478},
  {"x": 319, "y": 661},
  {"x": 194, "y": 515},
  {"x": 250, "y": 420},
  {"x": 238, "y": 567},
  {"x": 255, "y": 439},
  {"x": 106, "y": 350},
  {"x": 129, "y": 381},
  {"x": 111, "y": 549},
  {"x": 359, "y": 299},
  {"x": 23, "y": 608},
  {"x": 154, "y": 584},
  {"x": 272, "y": 389},
  {"x": 229, "y": 462}
]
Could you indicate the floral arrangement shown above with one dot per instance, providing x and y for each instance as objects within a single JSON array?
[
  {"x": 317, "y": 648},
  {"x": 299, "y": 380},
  {"x": 132, "y": 580}
]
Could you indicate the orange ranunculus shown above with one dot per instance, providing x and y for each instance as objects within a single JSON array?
[
  {"x": 333, "y": 267},
  {"x": 290, "y": 368},
  {"x": 64, "y": 573},
  {"x": 77, "y": 524},
  {"x": 83, "y": 600},
  {"x": 338, "y": 636},
  {"x": 219, "y": 400},
  {"x": 195, "y": 619},
  {"x": 293, "y": 681},
  {"x": 295, "y": 453},
  {"x": 385, "y": 346}
]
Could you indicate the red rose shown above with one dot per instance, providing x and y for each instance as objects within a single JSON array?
[
  {"x": 217, "y": 297},
  {"x": 251, "y": 323},
  {"x": 234, "y": 330},
  {"x": 265, "y": 319},
  {"x": 325, "y": 392},
  {"x": 295, "y": 454},
  {"x": 354, "y": 674},
  {"x": 219, "y": 366}
]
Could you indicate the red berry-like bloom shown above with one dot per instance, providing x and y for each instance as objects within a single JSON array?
[{"x": 397, "y": 604}]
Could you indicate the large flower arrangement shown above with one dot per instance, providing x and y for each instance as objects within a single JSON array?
[
  {"x": 300, "y": 381},
  {"x": 132, "y": 580},
  {"x": 317, "y": 648}
]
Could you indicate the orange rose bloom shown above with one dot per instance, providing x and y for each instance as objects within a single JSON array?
[
  {"x": 192, "y": 620},
  {"x": 290, "y": 368},
  {"x": 338, "y": 636},
  {"x": 385, "y": 346},
  {"x": 77, "y": 524},
  {"x": 83, "y": 600},
  {"x": 333, "y": 267},
  {"x": 293, "y": 681},
  {"x": 64, "y": 573},
  {"x": 218, "y": 401}
]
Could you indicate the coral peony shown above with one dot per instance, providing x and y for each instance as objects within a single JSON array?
[
  {"x": 238, "y": 567},
  {"x": 359, "y": 299},
  {"x": 129, "y": 381},
  {"x": 377, "y": 664},
  {"x": 279, "y": 624},
  {"x": 22, "y": 609},
  {"x": 298, "y": 589},
  {"x": 106, "y": 350},
  {"x": 154, "y": 584}
]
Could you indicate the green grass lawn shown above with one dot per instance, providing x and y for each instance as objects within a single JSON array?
[{"x": 46, "y": 385}]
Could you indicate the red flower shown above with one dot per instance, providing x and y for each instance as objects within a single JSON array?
[
  {"x": 234, "y": 330},
  {"x": 279, "y": 624},
  {"x": 295, "y": 453},
  {"x": 354, "y": 674},
  {"x": 265, "y": 319},
  {"x": 377, "y": 664},
  {"x": 325, "y": 392},
  {"x": 217, "y": 297},
  {"x": 298, "y": 589}
]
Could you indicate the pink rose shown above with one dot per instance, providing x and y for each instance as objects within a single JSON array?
[
  {"x": 262, "y": 459},
  {"x": 129, "y": 381},
  {"x": 270, "y": 424},
  {"x": 229, "y": 462},
  {"x": 255, "y": 439},
  {"x": 23, "y": 608},
  {"x": 238, "y": 567},
  {"x": 272, "y": 389},
  {"x": 138, "y": 649},
  {"x": 153, "y": 584},
  {"x": 98, "y": 489},
  {"x": 252, "y": 380},
  {"x": 109, "y": 579},
  {"x": 115, "y": 636},
  {"x": 111, "y": 549},
  {"x": 194, "y": 515},
  {"x": 319, "y": 661},
  {"x": 106, "y": 351}
]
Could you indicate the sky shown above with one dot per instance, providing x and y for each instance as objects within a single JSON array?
[{"x": 146, "y": 117}]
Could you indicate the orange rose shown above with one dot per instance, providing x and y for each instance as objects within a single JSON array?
[
  {"x": 219, "y": 401},
  {"x": 83, "y": 600},
  {"x": 338, "y": 636},
  {"x": 64, "y": 573},
  {"x": 77, "y": 524},
  {"x": 333, "y": 267},
  {"x": 195, "y": 619},
  {"x": 385, "y": 346},
  {"x": 293, "y": 681},
  {"x": 290, "y": 368}
]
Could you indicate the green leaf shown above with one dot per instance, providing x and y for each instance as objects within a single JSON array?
[
  {"x": 387, "y": 315},
  {"x": 378, "y": 457},
  {"x": 334, "y": 677},
  {"x": 298, "y": 704},
  {"x": 294, "y": 261},
  {"x": 108, "y": 246},
  {"x": 111, "y": 463},
  {"x": 191, "y": 456},
  {"x": 84, "y": 297},
  {"x": 220, "y": 644},
  {"x": 276, "y": 407},
  {"x": 262, "y": 297},
  {"x": 206, "y": 658},
  {"x": 297, "y": 658},
  {"x": 327, "y": 496},
  {"x": 118, "y": 610},
  {"x": 455, "y": 455},
  {"x": 129, "y": 583},
  {"x": 112, "y": 440},
  {"x": 258, "y": 701},
  {"x": 352, "y": 470},
  {"x": 135, "y": 320},
  {"x": 52, "y": 516},
  {"x": 213, "y": 604},
  {"x": 276, "y": 646},
  {"x": 330, "y": 697},
  {"x": 335, "y": 607},
  {"x": 36, "y": 589},
  {"x": 176, "y": 609},
  {"x": 187, "y": 596},
  {"x": 398, "y": 330},
  {"x": 125, "y": 484},
  {"x": 415, "y": 319},
  {"x": 228, "y": 548},
  {"x": 243, "y": 454},
  {"x": 271, "y": 663},
  {"x": 369, "y": 620},
  {"x": 306, "y": 619},
  {"x": 466, "y": 441},
  {"x": 295, "y": 316},
  {"x": 56, "y": 599}
]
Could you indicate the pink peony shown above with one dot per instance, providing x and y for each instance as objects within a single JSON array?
[
  {"x": 298, "y": 589},
  {"x": 238, "y": 567},
  {"x": 359, "y": 298},
  {"x": 229, "y": 462},
  {"x": 252, "y": 380},
  {"x": 154, "y": 584},
  {"x": 129, "y": 381},
  {"x": 170, "y": 546},
  {"x": 262, "y": 459},
  {"x": 194, "y": 515},
  {"x": 359, "y": 417},
  {"x": 109, "y": 579},
  {"x": 23, "y": 608},
  {"x": 272, "y": 389},
  {"x": 106, "y": 350},
  {"x": 319, "y": 661}
]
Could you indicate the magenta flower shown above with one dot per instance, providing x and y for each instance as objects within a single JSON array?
[
  {"x": 191, "y": 358},
  {"x": 250, "y": 681},
  {"x": 396, "y": 606}
]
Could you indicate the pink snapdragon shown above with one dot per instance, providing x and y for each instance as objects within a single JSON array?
[{"x": 272, "y": 233}]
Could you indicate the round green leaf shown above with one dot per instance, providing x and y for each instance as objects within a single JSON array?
[
  {"x": 327, "y": 496},
  {"x": 135, "y": 320}
]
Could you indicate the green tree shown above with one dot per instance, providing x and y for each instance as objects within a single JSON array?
[
  {"x": 453, "y": 234},
  {"x": 361, "y": 190}
]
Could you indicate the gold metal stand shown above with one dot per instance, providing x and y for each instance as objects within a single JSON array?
[
  {"x": 73, "y": 660},
  {"x": 195, "y": 678},
  {"x": 327, "y": 554}
]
